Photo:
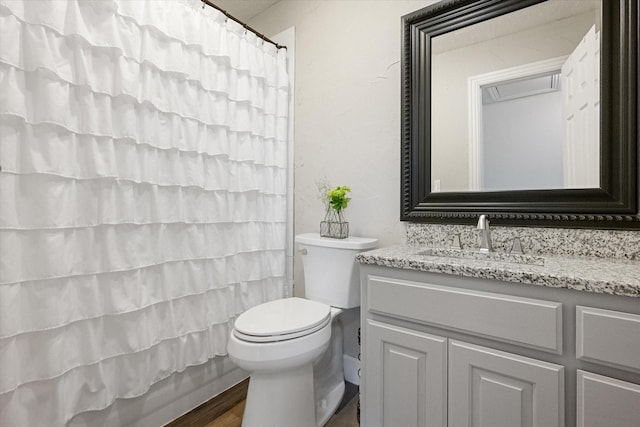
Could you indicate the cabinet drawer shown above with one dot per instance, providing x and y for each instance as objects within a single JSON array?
[
  {"x": 595, "y": 341},
  {"x": 604, "y": 401},
  {"x": 528, "y": 322}
]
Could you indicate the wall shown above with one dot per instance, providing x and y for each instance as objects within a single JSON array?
[
  {"x": 347, "y": 115},
  {"x": 347, "y": 109}
]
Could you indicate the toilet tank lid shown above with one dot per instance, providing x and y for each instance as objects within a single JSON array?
[{"x": 351, "y": 242}]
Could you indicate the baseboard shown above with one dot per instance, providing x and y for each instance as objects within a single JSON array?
[
  {"x": 213, "y": 408},
  {"x": 351, "y": 369}
]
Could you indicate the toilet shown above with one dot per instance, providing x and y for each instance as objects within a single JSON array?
[{"x": 292, "y": 347}]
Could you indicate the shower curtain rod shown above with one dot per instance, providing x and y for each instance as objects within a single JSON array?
[{"x": 247, "y": 27}]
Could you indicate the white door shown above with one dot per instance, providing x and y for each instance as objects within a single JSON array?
[
  {"x": 581, "y": 109},
  {"x": 491, "y": 388},
  {"x": 405, "y": 376}
]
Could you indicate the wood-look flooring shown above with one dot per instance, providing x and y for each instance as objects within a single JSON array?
[
  {"x": 346, "y": 417},
  {"x": 231, "y": 418},
  {"x": 215, "y": 408},
  {"x": 226, "y": 410}
]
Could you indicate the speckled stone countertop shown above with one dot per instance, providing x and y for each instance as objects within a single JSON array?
[{"x": 602, "y": 275}]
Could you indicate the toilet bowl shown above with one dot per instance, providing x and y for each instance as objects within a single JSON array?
[
  {"x": 279, "y": 354},
  {"x": 292, "y": 347}
]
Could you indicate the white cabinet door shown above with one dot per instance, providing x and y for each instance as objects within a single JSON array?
[
  {"x": 604, "y": 401},
  {"x": 491, "y": 388},
  {"x": 405, "y": 377}
]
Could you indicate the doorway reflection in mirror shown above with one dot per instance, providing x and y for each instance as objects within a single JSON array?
[{"x": 515, "y": 102}]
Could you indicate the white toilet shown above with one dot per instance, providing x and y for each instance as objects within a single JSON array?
[{"x": 292, "y": 347}]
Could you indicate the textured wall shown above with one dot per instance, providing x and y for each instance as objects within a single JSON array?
[{"x": 347, "y": 112}]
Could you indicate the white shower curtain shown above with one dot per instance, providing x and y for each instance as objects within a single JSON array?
[{"x": 143, "y": 196}]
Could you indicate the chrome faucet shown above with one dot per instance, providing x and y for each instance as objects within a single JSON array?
[{"x": 485, "y": 234}]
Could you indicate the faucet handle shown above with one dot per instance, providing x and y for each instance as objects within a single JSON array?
[
  {"x": 516, "y": 246},
  {"x": 455, "y": 241}
]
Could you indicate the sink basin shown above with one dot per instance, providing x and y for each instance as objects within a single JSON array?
[{"x": 484, "y": 256}]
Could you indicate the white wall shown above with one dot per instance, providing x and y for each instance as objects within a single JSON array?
[
  {"x": 347, "y": 115},
  {"x": 347, "y": 112}
]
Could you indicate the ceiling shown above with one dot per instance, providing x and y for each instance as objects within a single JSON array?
[
  {"x": 244, "y": 10},
  {"x": 514, "y": 22}
]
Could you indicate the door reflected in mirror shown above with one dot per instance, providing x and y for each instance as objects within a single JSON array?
[{"x": 515, "y": 101}]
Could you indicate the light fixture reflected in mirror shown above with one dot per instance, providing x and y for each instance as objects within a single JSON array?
[{"x": 532, "y": 85}]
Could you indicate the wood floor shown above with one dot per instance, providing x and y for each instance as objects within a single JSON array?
[
  {"x": 346, "y": 417},
  {"x": 226, "y": 410},
  {"x": 231, "y": 418}
]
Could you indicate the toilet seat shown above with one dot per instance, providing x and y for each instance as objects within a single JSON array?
[{"x": 281, "y": 320}]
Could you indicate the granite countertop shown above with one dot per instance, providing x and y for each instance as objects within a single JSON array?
[{"x": 590, "y": 274}]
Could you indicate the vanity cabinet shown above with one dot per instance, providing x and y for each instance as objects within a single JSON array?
[
  {"x": 493, "y": 388},
  {"x": 444, "y": 350},
  {"x": 609, "y": 338},
  {"x": 407, "y": 375},
  {"x": 605, "y": 401}
]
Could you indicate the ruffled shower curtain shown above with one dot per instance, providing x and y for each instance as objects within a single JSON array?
[{"x": 143, "y": 196}]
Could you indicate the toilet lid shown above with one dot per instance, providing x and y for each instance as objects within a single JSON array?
[{"x": 281, "y": 320}]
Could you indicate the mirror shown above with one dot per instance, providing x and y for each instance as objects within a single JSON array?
[
  {"x": 522, "y": 109},
  {"x": 523, "y": 80}
]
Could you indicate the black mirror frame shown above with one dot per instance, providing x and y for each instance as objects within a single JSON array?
[{"x": 614, "y": 205}]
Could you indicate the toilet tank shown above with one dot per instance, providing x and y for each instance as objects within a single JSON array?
[{"x": 331, "y": 274}]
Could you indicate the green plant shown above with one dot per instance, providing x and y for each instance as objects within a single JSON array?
[{"x": 338, "y": 198}]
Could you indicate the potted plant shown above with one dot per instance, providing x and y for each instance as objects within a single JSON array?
[{"x": 336, "y": 201}]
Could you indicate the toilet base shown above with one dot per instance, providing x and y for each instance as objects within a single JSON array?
[
  {"x": 329, "y": 376},
  {"x": 277, "y": 399},
  {"x": 303, "y": 389},
  {"x": 327, "y": 406}
]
